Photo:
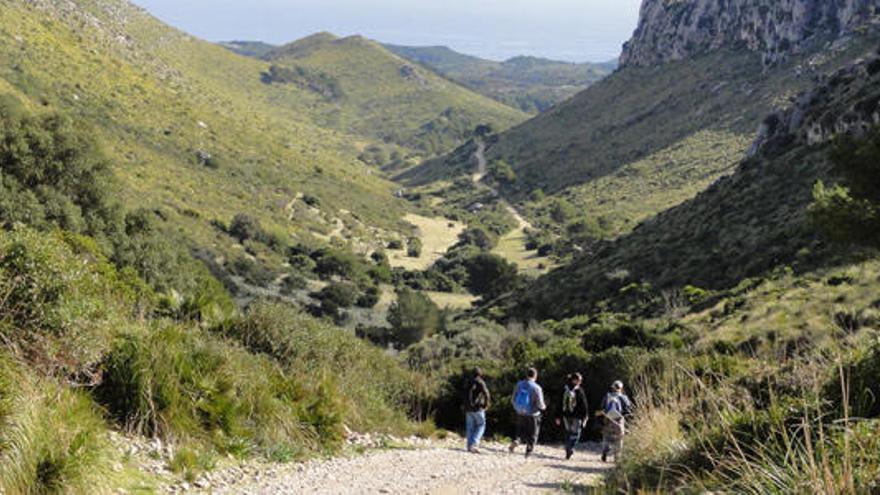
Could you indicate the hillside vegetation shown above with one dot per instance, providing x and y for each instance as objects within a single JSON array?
[
  {"x": 633, "y": 119},
  {"x": 531, "y": 84},
  {"x": 190, "y": 130},
  {"x": 369, "y": 91},
  {"x": 741, "y": 226},
  {"x": 108, "y": 324}
]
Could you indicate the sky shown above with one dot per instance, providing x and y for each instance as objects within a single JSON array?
[{"x": 571, "y": 30}]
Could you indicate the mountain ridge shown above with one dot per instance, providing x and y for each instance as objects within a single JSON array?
[{"x": 674, "y": 29}]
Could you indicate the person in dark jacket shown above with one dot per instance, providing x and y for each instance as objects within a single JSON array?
[
  {"x": 477, "y": 400},
  {"x": 575, "y": 412}
]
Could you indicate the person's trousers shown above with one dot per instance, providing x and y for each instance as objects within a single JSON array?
[
  {"x": 573, "y": 427},
  {"x": 475, "y": 424},
  {"x": 612, "y": 440},
  {"x": 528, "y": 428}
]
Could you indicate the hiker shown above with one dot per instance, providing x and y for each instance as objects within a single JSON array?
[
  {"x": 528, "y": 401},
  {"x": 616, "y": 408},
  {"x": 477, "y": 400},
  {"x": 575, "y": 412}
]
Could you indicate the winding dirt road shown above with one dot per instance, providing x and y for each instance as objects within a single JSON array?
[{"x": 480, "y": 174}]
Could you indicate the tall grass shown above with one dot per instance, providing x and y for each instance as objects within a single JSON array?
[
  {"x": 694, "y": 435},
  {"x": 373, "y": 388},
  {"x": 186, "y": 386},
  {"x": 51, "y": 437}
]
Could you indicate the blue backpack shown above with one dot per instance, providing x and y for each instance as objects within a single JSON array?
[{"x": 522, "y": 400}]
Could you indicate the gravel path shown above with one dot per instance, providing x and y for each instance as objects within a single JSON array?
[{"x": 434, "y": 470}]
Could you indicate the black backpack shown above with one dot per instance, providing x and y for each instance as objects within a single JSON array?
[{"x": 475, "y": 398}]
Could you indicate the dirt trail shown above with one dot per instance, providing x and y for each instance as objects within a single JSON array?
[
  {"x": 435, "y": 470},
  {"x": 482, "y": 170}
]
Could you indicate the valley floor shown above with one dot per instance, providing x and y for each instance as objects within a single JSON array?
[{"x": 440, "y": 468}]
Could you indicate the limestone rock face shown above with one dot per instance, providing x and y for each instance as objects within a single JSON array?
[
  {"x": 676, "y": 29},
  {"x": 846, "y": 102}
]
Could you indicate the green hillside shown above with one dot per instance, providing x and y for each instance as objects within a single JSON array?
[
  {"x": 532, "y": 84},
  {"x": 190, "y": 129},
  {"x": 743, "y": 225},
  {"x": 368, "y": 91},
  {"x": 255, "y": 49},
  {"x": 643, "y": 139}
]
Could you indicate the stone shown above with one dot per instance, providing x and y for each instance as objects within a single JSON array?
[{"x": 677, "y": 29}]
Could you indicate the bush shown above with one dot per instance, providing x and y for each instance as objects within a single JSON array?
[
  {"x": 253, "y": 272},
  {"x": 178, "y": 383},
  {"x": 490, "y": 276},
  {"x": 414, "y": 247},
  {"x": 294, "y": 282},
  {"x": 370, "y": 297},
  {"x": 245, "y": 227},
  {"x": 52, "y": 173},
  {"x": 372, "y": 385},
  {"x": 336, "y": 262},
  {"x": 58, "y": 310}
]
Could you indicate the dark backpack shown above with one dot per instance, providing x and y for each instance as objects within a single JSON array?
[{"x": 476, "y": 399}]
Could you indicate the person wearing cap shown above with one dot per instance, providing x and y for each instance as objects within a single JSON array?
[
  {"x": 476, "y": 401},
  {"x": 616, "y": 408}
]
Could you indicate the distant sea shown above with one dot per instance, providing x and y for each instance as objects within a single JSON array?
[{"x": 583, "y": 49}]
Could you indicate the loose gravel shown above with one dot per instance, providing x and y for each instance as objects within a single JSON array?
[{"x": 433, "y": 469}]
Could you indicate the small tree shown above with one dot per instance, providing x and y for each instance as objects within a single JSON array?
[
  {"x": 412, "y": 317},
  {"x": 503, "y": 172},
  {"x": 490, "y": 275},
  {"x": 414, "y": 247},
  {"x": 245, "y": 227},
  {"x": 561, "y": 211}
]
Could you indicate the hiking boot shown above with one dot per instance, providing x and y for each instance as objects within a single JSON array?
[
  {"x": 568, "y": 454},
  {"x": 604, "y": 456},
  {"x": 474, "y": 450},
  {"x": 512, "y": 447},
  {"x": 528, "y": 453}
]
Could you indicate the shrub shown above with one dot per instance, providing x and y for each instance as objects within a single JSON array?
[
  {"x": 336, "y": 262},
  {"x": 253, "y": 272},
  {"x": 52, "y": 173},
  {"x": 371, "y": 384},
  {"x": 414, "y": 247},
  {"x": 370, "y": 297},
  {"x": 58, "y": 310},
  {"x": 294, "y": 282},
  {"x": 413, "y": 317},
  {"x": 244, "y": 227},
  {"x": 337, "y": 295},
  {"x": 490, "y": 275},
  {"x": 179, "y": 383}
]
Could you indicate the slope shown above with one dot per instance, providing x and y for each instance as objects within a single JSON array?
[
  {"x": 531, "y": 84},
  {"x": 743, "y": 225},
  {"x": 371, "y": 92},
  {"x": 620, "y": 151},
  {"x": 193, "y": 133}
]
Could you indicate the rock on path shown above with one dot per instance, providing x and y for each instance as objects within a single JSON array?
[{"x": 436, "y": 470}]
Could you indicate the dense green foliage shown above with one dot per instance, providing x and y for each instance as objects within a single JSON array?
[{"x": 851, "y": 213}]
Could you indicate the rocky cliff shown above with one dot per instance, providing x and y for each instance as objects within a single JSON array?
[
  {"x": 676, "y": 29},
  {"x": 846, "y": 102}
]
